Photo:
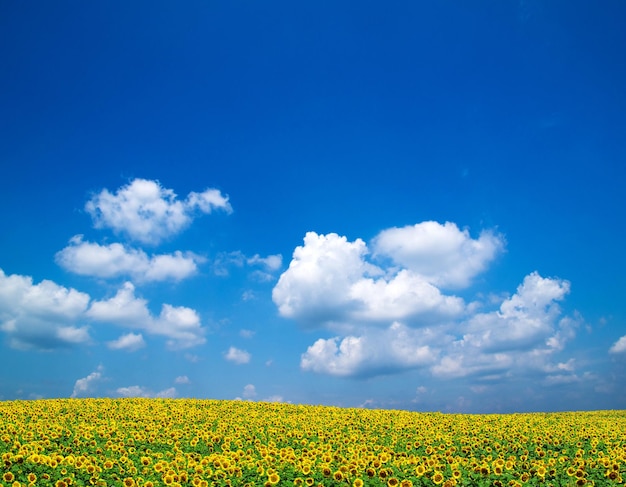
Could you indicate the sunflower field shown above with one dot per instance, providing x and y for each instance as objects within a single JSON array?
[{"x": 202, "y": 443}]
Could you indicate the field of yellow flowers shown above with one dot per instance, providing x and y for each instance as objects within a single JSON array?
[{"x": 176, "y": 442}]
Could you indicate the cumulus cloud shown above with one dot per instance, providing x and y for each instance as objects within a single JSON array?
[
  {"x": 237, "y": 356},
  {"x": 41, "y": 316},
  {"x": 524, "y": 320},
  {"x": 84, "y": 386},
  {"x": 140, "y": 391},
  {"x": 374, "y": 352},
  {"x": 619, "y": 346},
  {"x": 129, "y": 342},
  {"x": 523, "y": 333},
  {"x": 182, "y": 379},
  {"x": 329, "y": 281},
  {"x": 149, "y": 213},
  {"x": 389, "y": 312},
  {"x": 115, "y": 260},
  {"x": 180, "y": 325},
  {"x": 443, "y": 255}
]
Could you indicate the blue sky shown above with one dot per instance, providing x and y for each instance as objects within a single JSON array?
[{"x": 418, "y": 205}]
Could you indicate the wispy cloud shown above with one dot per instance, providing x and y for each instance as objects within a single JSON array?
[{"x": 264, "y": 268}]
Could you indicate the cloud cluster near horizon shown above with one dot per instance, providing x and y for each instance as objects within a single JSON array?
[{"x": 391, "y": 306}]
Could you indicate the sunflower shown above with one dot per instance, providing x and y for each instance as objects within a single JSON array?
[
  {"x": 129, "y": 482},
  {"x": 420, "y": 470},
  {"x": 438, "y": 478},
  {"x": 357, "y": 483},
  {"x": 8, "y": 477},
  {"x": 273, "y": 478},
  {"x": 393, "y": 482},
  {"x": 32, "y": 478},
  {"x": 338, "y": 476}
]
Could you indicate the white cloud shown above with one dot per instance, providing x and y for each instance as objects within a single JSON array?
[
  {"x": 521, "y": 336},
  {"x": 524, "y": 320},
  {"x": 375, "y": 352},
  {"x": 180, "y": 325},
  {"x": 129, "y": 342},
  {"x": 442, "y": 254},
  {"x": 84, "y": 386},
  {"x": 149, "y": 213},
  {"x": 170, "y": 392},
  {"x": 123, "y": 308},
  {"x": 393, "y": 316},
  {"x": 73, "y": 334},
  {"x": 249, "y": 391},
  {"x": 237, "y": 356},
  {"x": 114, "y": 260},
  {"x": 41, "y": 316},
  {"x": 330, "y": 282},
  {"x": 140, "y": 391},
  {"x": 461, "y": 363},
  {"x": 619, "y": 346},
  {"x": 182, "y": 379}
]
